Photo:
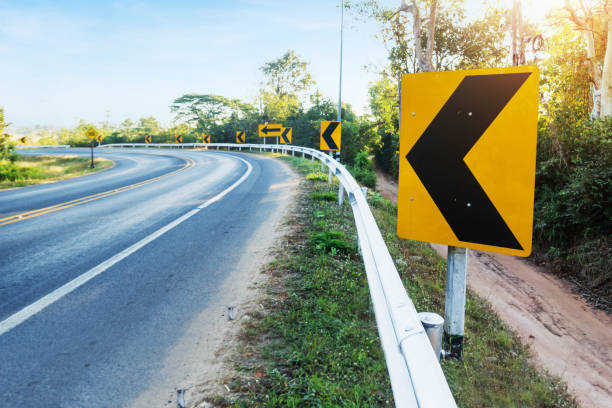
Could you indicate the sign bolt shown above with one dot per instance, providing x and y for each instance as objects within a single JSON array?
[
  {"x": 469, "y": 113},
  {"x": 469, "y": 204},
  {"x": 413, "y": 113}
]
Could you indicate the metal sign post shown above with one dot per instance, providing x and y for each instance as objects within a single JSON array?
[{"x": 454, "y": 300}]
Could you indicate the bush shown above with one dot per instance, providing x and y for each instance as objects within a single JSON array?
[
  {"x": 12, "y": 172},
  {"x": 573, "y": 201},
  {"x": 363, "y": 170}
]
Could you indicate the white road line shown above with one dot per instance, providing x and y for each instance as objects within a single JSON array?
[{"x": 30, "y": 310}]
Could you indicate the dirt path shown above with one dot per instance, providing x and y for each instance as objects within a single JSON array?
[{"x": 567, "y": 337}]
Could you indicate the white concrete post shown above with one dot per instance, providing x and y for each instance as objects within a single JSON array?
[
  {"x": 340, "y": 194},
  {"x": 454, "y": 302}
]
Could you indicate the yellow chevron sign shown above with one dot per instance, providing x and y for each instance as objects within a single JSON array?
[
  {"x": 205, "y": 138},
  {"x": 179, "y": 139},
  {"x": 330, "y": 135},
  {"x": 148, "y": 139},
  {"x": 240, "y": 136},
  {"x": 286, "y": 135}
]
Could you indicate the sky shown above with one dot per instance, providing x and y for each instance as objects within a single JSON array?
[{"x": 62, "y": 61}]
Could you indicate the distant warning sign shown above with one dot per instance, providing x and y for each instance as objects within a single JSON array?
[
  {"x": 205, "y": 138},
  {"x": 99, "y": 138},
  {"x": 148, "y": 139},
  {"x": 178, "y": 139},
  {"x": 286, "y": 135},
  {"x": 240, "y": 136},
  {"x": 91, "y": 133},
  {"x": 330, "y": 135}
]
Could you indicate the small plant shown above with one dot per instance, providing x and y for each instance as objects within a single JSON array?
[
  {"x": 333, "y": 242},
  {"x": 319, "y": 176}
]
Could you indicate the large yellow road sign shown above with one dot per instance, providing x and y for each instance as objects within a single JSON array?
[
  {"x": 270, "y": 129},
  {"x": 467, "y": 158},
  {"x": 286, "y": 136},
  {"x": 240, "y": 136},
  {"x": 91, "y": 133},
  {"x": 331, "y": 132}
]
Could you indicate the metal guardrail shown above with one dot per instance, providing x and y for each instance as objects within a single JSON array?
[
  {"x": 416, "y": 377},
  {"x": 41, "y": 146}
]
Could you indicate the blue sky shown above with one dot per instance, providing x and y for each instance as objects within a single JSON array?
[{"x": 62, "y": 61}]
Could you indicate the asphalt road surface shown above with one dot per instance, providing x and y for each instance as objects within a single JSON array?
[{"x": 102, "y": 274}]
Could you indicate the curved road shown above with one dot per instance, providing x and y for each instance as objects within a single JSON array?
[{"x": 94, "y": 294}]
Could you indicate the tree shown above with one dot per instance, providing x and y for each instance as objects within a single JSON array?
[
  {"x": 7, "y": 147},
  {"x": 285, "y": 79},
  {"x": 596, "y": 25},
  {"x": 205, "y": 112}
]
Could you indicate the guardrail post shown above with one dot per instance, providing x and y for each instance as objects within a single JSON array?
[
  {"x": 340, "y": 194},
  {"x": 432, "y": 323},
  {"x": 364, "y": 190},
  {"x": 454, "y": 301}
]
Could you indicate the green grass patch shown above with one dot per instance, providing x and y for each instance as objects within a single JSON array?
[
  {"x": 324, "y": 196},
  {"x": 316, "y": 344},
  {"x": 39, "y": 169}
]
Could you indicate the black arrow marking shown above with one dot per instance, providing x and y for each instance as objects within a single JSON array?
[
  {"x": 207, "y": 139},
  {"x": 327, "y": 135},
  {"x": 266, "y": 129},
  {"x": 147, "y": 139},
  {"x": 241, "y": 137},
  {"x": 284, "y": 135},
  {"x": 437, "y": 158}
]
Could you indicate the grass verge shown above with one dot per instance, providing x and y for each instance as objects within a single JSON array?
[
  {"x": 41, "y": 169},
  {"x": 315, "y": 342}
]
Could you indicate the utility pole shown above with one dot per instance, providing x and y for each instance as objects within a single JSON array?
[{"x": 340, "y": 81}]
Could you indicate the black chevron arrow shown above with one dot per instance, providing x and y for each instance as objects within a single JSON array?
[
  {"x": 241, "y": 137},
  {"x": 207, "y": 139},
  {"x": 327, "y": 135},
  {"x": 147, "y": 139},
  {"x": 284, "y": 136},
  {"x": 266, "y": 129},
  {"x": 437, "y": 158}
]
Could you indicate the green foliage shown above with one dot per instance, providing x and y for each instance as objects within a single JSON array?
[
  {"x": 12, "y": 172},
  {"x": 363, "y": 171},
  {"x": 318, "y": 176},
  {"x": 324, "y": 196},
  {"x": 332, "y": 241},
  {"x": 7, "y": 147}
]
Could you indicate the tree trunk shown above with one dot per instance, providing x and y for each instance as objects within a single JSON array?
[
  {"x": 606, "y": 77},
  {"x": 595, "y": 72}
]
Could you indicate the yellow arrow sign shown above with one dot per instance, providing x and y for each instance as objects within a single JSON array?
[
  {"x": 331, "y": 132},
  {"x": 270, "y": 129},
  {"x": 147, "y": 139},
  {"x": 240, "y": 136},
  {"x": 99, "y": 138},
  {"x": 205, "y": 138},
  {"x": 467, "y": 158},
  {"x": 91, "y": 133},
  {"x": 286, "y": 135},
  {"x": 178, "y": 139}
]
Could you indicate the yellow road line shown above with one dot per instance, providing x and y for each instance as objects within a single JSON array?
[{"x": 83, "y": 200}]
